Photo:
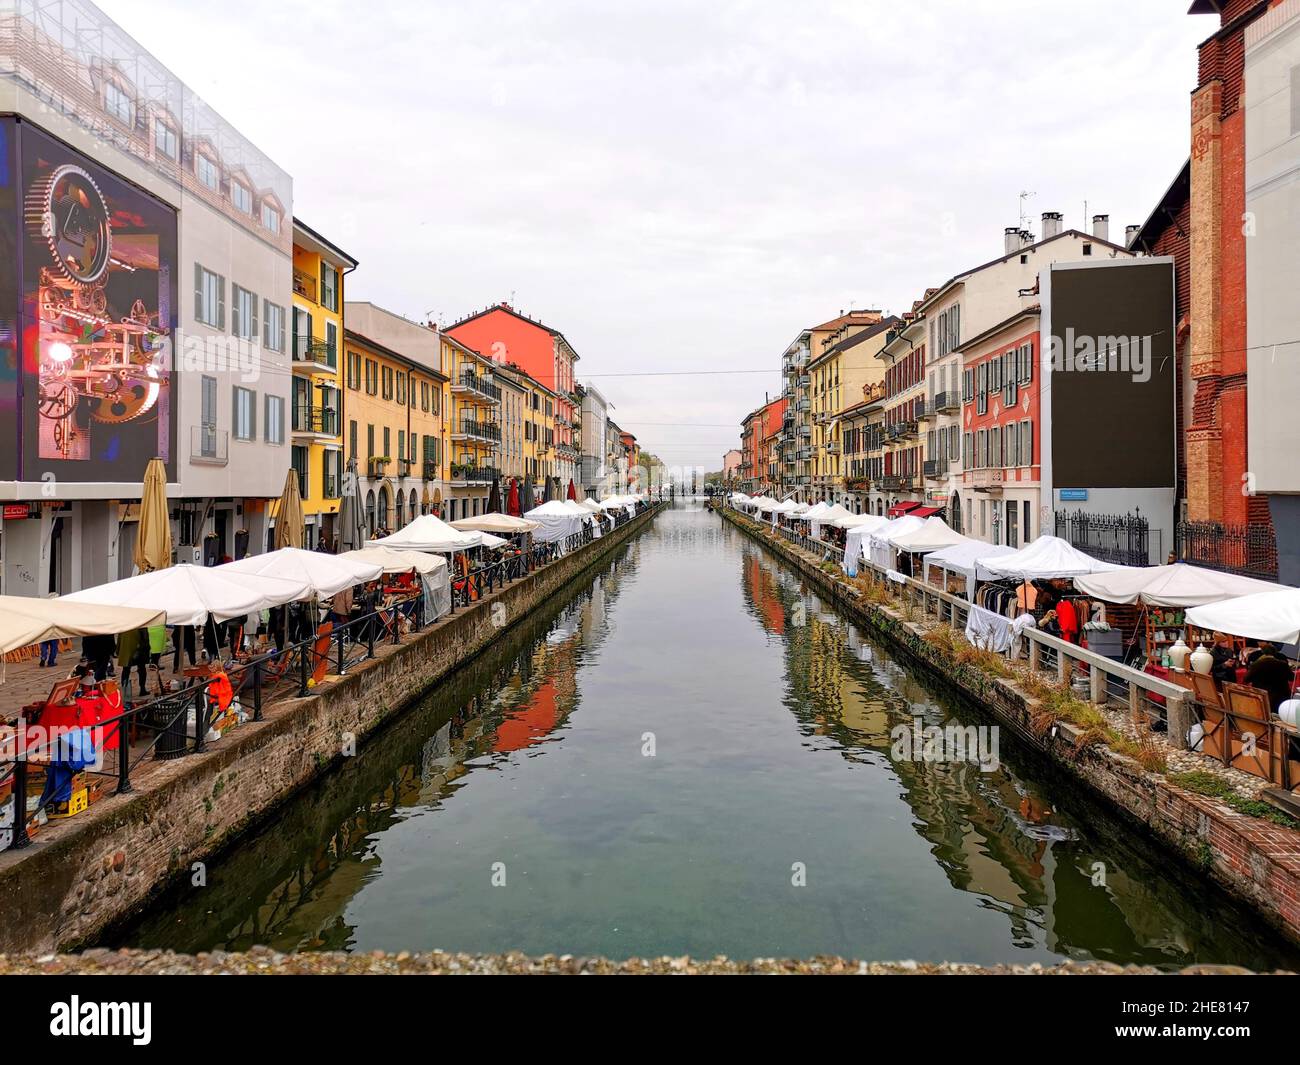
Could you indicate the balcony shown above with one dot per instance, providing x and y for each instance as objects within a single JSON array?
[
  {"x": 209, "y": 446},
  {"x": 377, "y": 465},
  {"x": 430, "y": 472},
  {"x": 802, "y": 381},
  {"x": 804, "y": 454},
  {"x": 858, "y": 484},
  {"x": 476, "y": 384},
  {"x": 896, "y": 482},
  {"x": 832, "y": 447},
  {"x": 404, "y": 467},
  {"x": 923, "y": 412},
  {"x": 987, "y": 480},
  {"x": 471, "y": 473},
  {"x": 567, "y": 451},
  {"x": 804, "y": 431},
  {"x": 803, "y": 405},
  {"x": 315, "y": 421},
  {"x": 907, "y": 429},
  {"x": 313, "y": 354},
  {"x": 472, "y": 429},
  {"x": 305, "y": 286},
  {"x": 947, "y": 402},
  {"x": 936, "y": 468}
]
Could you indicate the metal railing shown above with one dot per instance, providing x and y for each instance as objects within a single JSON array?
[
  {"x": 1250, "y": 550},
  {"x": 180, "y": 720},
  {"x": 308, "y": 419},
  {"x": 478, "y": 383},
  {"x": 1124, "y": 539},
  {"x": 209, "y": 445}
]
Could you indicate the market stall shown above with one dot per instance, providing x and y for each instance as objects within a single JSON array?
[
  {"x": 432, "y": 570},
  {"x": 190, "y": 595},
  {"x": 962, "y": 559},
  {"x": 857, "y": 530},
  {"x": 429, "y": 533},
  {"x": 881, "y": 546},
  {"x": 556, "y": 521}
]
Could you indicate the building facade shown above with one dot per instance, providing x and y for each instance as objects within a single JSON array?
[
  {"x": 474, "y": 428},
  {"x": 316, "y": 407},
  {"x": 180, "y": 196},
  {"x": 595, "y": 478},
  {"x": 395, "y": 399},
  {"x": 502, "y": 334}
]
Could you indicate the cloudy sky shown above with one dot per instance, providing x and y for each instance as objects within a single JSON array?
[{"x": 681, "y": 187}]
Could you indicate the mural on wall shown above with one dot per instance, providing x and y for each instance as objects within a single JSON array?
[{"x": 99, "y": 302}]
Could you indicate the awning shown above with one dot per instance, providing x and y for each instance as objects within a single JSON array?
[
  {"x": 25, "y": 621},
  {"x": 899, "y": 509},
  {"x": 1273, "y": 616},
  {"x": 1177, "y": 585},
  {"x": 925, "y": 512}
]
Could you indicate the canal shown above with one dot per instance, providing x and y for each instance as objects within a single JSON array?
[{"x": 692, "y": 755}]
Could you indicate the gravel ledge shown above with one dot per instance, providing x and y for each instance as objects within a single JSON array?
[{"x": 263, "y": 962}]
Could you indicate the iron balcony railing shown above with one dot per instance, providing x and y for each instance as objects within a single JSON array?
[
  {"x": 304, "y": 285},
  {"x": 947, "y": 402},
  {"x": 923, "y": 412},
  {"x": 479, "y": 430},
  {"x": 320, "y": 352},
  {"x": 988, "y": 480},
  {"x": 896, "y": 482},
  {"x": 430, "y": 471},
  {"x": 474, "y": 382},
  {"x": 472, "y": 472},
  {"x": 321, "y": 420},
  {"x": 935, "y": 467}
]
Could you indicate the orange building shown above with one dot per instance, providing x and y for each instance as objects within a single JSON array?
[{"x": 759, "y": 441}]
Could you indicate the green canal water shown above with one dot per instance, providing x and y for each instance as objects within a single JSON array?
[{"x": 692, "y": 755}]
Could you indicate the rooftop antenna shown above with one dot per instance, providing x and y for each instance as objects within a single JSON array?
[{"x": 1024, "y": 208}]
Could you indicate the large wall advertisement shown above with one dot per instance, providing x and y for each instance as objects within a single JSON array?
[{"x": 99, "y": 304}]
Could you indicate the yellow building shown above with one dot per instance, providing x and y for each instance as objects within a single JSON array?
[
  {"x": 837, "y": 377},
  {"x": 474, "y": 430},
  {"x": 395, "y": 403},
  {"x": 538, "y": 410},
  {"x": 315, "y": 402},
  {"x": 514, "y": 399}
]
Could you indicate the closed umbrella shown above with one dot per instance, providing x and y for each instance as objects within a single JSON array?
[
  {"x": 288, "y": 522},
  {"x": 352, "y": 513},
  {"x": 573, "y": 491},
  {"x": 494, "y": 497},
  {"x": 530, "y": 494},
  {"x": 437, "y": 503},
  {"x": 547, "y": 493},
  {"x": 153, "y": 540},
  {"x": 512, "y": 504}
]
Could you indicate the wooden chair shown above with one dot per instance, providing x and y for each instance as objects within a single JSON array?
[
  {"x": 1250, "y": 725},
  {"x": 1209, "y": 704}
]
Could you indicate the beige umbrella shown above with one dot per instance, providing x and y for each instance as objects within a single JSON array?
[
  {"x": 25, "y": 621},
  {"x": 288, "y": 521},
  {"x": 153, "y": 539}
]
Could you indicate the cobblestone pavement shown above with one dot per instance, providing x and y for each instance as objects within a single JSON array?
[{"x": 264, "y": 962}]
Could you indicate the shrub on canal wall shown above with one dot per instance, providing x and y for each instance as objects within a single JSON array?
[{"x": 1241, "y": 843}]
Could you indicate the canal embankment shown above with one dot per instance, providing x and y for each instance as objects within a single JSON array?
[
  {"x": 1254, "y": 859},
  {"x": 111, "y": 861}
]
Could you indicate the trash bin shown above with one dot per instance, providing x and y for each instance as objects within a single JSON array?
[{"x": 171, "y": 739}]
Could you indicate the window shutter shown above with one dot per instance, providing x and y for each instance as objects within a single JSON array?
[
  {"x": 200, "y": 312},
  {"x": 221, "y": 302},
  {"x": 252, "y": 309}
]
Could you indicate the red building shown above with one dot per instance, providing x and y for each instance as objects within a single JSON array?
[
  {"x": 759, "y": 434},
  {"x": 504, "y": 335}
]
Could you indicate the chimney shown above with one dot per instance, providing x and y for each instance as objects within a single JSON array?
[
  {"x": 1051, "y": 224},
  {"x": 1011, "y": 235},
  {"x": 1026, "y": 238},
  {"x": 1130, "y": 235},
  {"x": 1101, "y": 226}
]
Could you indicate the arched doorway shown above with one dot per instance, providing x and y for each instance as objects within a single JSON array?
[
  {"x": 370, "y": 511},
  {"x": 415, "y": 505},
  {"x": 399, "y": 512},
  {"x": 954, "y": 512},
  {"x": 385, "y": 506}
]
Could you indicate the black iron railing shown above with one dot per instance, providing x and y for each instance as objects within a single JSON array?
[
  {"x": 1124, "y": 539},
  {"x": 1250, "y": 550}
]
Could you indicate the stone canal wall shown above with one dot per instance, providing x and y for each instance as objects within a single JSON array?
[
  {"x": 1255, "y": 860},
  {"x": 106, "y": 864}
]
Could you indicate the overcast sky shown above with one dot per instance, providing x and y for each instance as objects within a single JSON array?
[{"x": 684, "y": 186}]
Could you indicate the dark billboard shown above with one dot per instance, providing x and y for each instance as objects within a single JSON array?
[
  {"x": 9, "y": 363},
  {"x": 1113, "y": 373},
  {"x": 99, "y": 305}
]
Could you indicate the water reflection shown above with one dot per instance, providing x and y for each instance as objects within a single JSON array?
[{"x": 771, "y": 715}]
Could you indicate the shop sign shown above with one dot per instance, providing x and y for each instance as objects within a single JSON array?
[{"x": 1074, "y": 495}]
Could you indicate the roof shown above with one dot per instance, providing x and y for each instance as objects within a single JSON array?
[
  {"x": 1166, "y": 210},
  {"x": 855, "y": 317},
  {"x": 933, "y": 294},
  {"x": 374, "y": 345},
  {"x": 315, "y": 242},
  {"x": 507, "y": 309},
  {"x": 857, "y": 338},
  {"x": 1002, "y": 326}
]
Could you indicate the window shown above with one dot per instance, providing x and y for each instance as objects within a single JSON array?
[
  {"x": 388, "y": 442},
  {"x": 424, "y": 396},
  {"x": 401, "y": 389},
  {"x": 209, "y": 297},
  {"x": 352, "y": 439},
  {"x": 274, "y": 417},
  {"x": 242, "y": 197},
  {"x": 329, "y": 287},
  {"x": 243, "y": 313},
  {"x": 117, "y": 102},
  {"x": 1087, "y": 249},
  {"x": 995, "y": 448},
  {"x": 331, "y": 345},
  {"x": 165, "y": 141},
  {"x": 1026, "y": 363},
  {"x": 272, "y": 326},
  {"x": 372, "y": 377},
  {"x": 1012, "y": 449},
  {"x": 245, "y": 407},
  {"x": 387, "y": 390},
  {"x": 207, "y": 171},
  {"x": 401, "y": 444},
  {"x": 270, "y": 217},
  {"x": 981, "y": 388},
  {"x": 353, "y": 371},
  {"x": 370, "y": 442},
  {"x": 1026, "y": 447}
]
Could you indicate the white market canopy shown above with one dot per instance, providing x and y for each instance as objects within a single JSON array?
[
  {"x": 591, "y": 505},
  {"x": 189, "y": 595},
  {"x": 501, "y": 524},
  {"x": 1178, "y": 585},
  {"x": 897, "y": 527},
  {"x": 870, "y": 522},
  {"x": 25, "y": 621},
  {"x": 964, "y": 558},
  {"x": 1273, "y": 616},
  {"x": 390, "y": 560},
  {"x": 817, "y": 512},
  {"x": 556, "y": 521},
  {"x": 933, "y": 535},
  {"x": 428, "y": 533},
  {"x": 1047, "y": 558},
  {"x": 325, "y": 574}
]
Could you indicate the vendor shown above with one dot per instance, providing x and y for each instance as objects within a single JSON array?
[
  {"x": 1224, "y": 668},
  {"x": 1271, "y": 672}
]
